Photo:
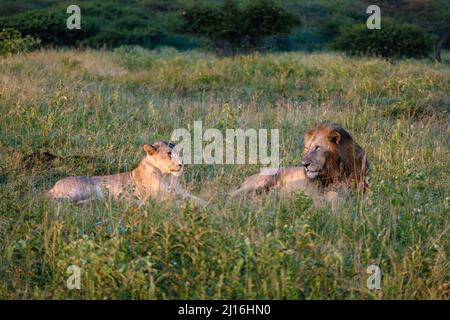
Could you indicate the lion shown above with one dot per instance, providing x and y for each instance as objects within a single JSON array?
[
  {"x": 156, "y": 176},
  {"x": 332, "y": 164}
]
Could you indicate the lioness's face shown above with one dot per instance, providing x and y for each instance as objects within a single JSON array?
[
  {"x": 162, "y": 155},
  {"x": 316, "y": 152}
]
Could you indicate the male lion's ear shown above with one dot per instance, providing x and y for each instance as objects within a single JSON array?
[
  {"x": 151, "y": 150},
  {"x": 335, "y": 137},
  {"x": 308, "y": 135}
]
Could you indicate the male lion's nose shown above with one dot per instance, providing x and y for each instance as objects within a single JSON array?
[{"x": 306, "y": 164}]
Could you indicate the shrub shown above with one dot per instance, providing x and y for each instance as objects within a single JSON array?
[
  {"x": 103, "y": 24},
  {"x": 394, "y": 39},
  {"x": 11, "y": 41},
  {"x": 114, "y": 38},
  {"x": 231, "y": 27},
  {"x": 49, "y": 26}
]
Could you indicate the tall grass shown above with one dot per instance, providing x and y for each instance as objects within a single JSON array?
[{"x": 93, "y": 110}]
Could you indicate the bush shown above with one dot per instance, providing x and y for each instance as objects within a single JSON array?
[
  {"x": 230, "y": 27},
  {"x": 49, "y": 26},
  {"x": 11, "y": 41},
  {"x": 111, "y": 38},
  {"x": 394, "y": 39},
  {"x": 103, "y": 24}
]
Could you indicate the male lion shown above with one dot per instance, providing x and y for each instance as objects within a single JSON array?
[
  {"x": 156, "y": 176},
  {"x": 332, "y": 164}
]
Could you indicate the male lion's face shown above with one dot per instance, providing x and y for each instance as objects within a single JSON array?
[
  {"x": 162, "y": 155},
  {"x": 318, "y": 144}
]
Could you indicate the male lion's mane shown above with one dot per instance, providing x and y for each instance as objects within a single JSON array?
[{"x": 346, "y": 163}]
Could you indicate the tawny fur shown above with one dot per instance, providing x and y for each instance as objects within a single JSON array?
[
  {"x": 156, "y": 177},
  {"x": 332, "y": 165}
]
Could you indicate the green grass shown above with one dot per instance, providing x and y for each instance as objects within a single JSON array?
[{"x": 95, "y": 109}]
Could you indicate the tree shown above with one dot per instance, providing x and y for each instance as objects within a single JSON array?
[
  {"x": 432, "y": 15},
  {"x": 394, "y": 39},
  {"x": 231, "y": 28}
]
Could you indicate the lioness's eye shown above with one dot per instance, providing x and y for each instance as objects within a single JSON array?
[{"x": 169, "y": 153}]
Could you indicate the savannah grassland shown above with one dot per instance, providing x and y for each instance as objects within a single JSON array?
[{"x": 93, "y": 110}]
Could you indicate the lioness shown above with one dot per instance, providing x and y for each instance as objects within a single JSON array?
[
  {"x": 155, "y": 177},
  {"x": 332, "y": 164}
]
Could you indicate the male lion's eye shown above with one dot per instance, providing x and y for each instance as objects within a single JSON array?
[{"x": 316, "y": 148}]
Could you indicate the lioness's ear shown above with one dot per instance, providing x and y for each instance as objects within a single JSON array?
[
  {"x": 335, "y": 137},
  {"x": 151, "y": 150}
]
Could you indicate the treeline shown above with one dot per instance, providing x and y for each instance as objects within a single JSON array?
[{"x": 409, "y": 28}]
